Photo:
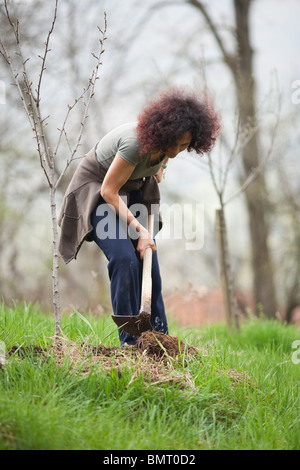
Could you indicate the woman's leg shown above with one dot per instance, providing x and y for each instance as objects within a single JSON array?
[
  {"x": 123, "y": 264},
  {"x": 125, "y": 268}
]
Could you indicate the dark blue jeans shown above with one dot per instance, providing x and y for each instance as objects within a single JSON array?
[{"x": 125, "y": 267}]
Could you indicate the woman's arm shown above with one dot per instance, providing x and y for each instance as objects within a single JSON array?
[{"x": 117, "y": 175}]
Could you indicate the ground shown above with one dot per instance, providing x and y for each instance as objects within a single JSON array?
[{"x": 153, "y": 355}]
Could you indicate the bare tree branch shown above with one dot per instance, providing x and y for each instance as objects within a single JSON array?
[
  {"x": 228, "y": 58},
  {"x": 91, "y": 88},
  {"x": 32, "y": 106},
  {"x": 31, "y": 100},
  {"x": 44, "y": 57},
  {"x": 263, "y": 162}
]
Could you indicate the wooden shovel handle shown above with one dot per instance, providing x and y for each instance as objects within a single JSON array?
[{"x": 147, "y": 267}]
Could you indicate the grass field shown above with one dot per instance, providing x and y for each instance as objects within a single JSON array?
[{"x": 242, "y": 390}]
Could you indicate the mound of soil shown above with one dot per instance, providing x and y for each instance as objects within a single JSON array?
[
  {"x": 148, "y": 356},
  {"x": 158, "y": 345},
  {"x": 152, "y": 343}
]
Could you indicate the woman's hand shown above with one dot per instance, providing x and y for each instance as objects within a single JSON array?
[{"x": 145, "y": 241}]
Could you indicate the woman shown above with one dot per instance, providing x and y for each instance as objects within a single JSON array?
[{"x": 122, "y": 172}]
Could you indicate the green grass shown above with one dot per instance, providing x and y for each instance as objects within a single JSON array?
[{"x": 245, "y": 395}]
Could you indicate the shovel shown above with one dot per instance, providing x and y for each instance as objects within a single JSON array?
[{"x": 136, "y": 324}]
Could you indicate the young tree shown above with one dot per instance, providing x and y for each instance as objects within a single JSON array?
[
  {"x": 219, "y": 175},
  {"x": 29, "y": 92}
]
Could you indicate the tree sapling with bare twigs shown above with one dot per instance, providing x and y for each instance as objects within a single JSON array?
[{"x": 30, "y": 95}]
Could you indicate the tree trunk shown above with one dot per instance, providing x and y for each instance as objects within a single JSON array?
[
  {"x": 256, "y": 193},
  {"x": 240, "y": 65},
  {"x": 55, "y": 288},
  {"x": 230, "y": 303}
]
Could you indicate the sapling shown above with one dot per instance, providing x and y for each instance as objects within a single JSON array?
[{"x": 30, "y": 96}]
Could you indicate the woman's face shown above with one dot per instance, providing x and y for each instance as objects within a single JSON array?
[{"x": 181, "y": 144}]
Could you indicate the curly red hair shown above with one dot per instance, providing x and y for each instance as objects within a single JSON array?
[{"x": 169, "y": 115}]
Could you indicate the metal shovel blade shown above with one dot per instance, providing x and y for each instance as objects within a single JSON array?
[{"x": 133, "y": 324}]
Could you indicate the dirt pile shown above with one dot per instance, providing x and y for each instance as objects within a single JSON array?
[
  {"x": 158, "y": 345},
  {"x": 153, "y": 356}
]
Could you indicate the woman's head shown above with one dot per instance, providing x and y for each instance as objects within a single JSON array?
[{"x": 178, "y": 117}]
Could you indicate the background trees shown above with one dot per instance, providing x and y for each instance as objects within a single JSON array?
[
  {"x": 152, "y": 45},
  {"x": 240, "y": 64}
]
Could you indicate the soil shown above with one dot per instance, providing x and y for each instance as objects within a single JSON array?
[
  {"x": 158, "y": 345},
  {"x": 152, "y": 343},
  {"x": 153, "y": 355},
  {"x": 24, "y": 351}
]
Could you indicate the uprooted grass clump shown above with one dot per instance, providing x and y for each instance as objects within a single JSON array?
[{"x": 161, "y": 346}]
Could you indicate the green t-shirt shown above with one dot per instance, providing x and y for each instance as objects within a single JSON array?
[{"x": 123, "y": 141}]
